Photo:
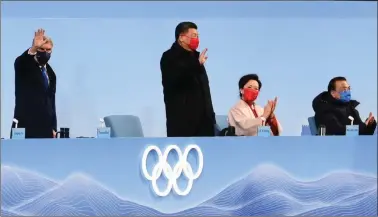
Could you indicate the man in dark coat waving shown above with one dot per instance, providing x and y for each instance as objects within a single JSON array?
[
  {"x": 35, "y": 87},
  {"x": 188, "y": 105}
]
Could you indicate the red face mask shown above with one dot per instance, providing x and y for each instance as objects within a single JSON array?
[
  {"x": 194, "y": 43},
  {"x": 250, "y": 95}
]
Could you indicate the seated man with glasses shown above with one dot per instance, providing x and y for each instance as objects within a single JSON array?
[{"x": 334, "y": 107}]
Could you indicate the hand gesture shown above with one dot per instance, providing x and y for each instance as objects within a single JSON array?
[
  {"x": 203, "y": 57},
  {"x": 39, "y": 38},
  {"x": 370, "y": 119},
  {"x": 54, "y": 134},
  {"x": 274, "y": 104},
  {"x": 268, "y": 109}
]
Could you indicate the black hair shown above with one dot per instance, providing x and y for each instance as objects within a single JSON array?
[
  {"x": 246, "y": 78},
  {"x": 183, "y": 27},
  {"x": 332, "y": 83}
]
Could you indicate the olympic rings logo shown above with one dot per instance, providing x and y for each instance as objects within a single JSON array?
[{"x": 172, "y": 174}]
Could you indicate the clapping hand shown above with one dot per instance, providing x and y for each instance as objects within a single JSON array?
[
  {"x": 370, "y": 119},
  {"x": 203, "y": 57},
  {"x": 274, "y": 104},
  {"x": 268, "y": 108}
]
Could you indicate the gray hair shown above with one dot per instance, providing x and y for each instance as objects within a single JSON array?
[{"x": 48, "y": 40}]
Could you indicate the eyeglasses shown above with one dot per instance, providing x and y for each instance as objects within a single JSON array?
[{"x": 345, "y": 88}]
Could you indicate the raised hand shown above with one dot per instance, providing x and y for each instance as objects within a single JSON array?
[
  {"x": 39, "y": 38},
  {"x": 268, "y": 109},
  {"x": 274, "y": 104},
  {"x": 203, "y": 57}
]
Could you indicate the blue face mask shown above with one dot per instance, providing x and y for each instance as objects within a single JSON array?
[{"x": 345, "y": 96}]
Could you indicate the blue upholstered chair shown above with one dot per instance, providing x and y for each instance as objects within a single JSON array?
[
  {"x": 124, "y": 126},
  {"x": 222, "y": 122},
  {"x": 312, "y": 124}
]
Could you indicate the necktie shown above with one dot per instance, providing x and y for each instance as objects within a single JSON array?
[{"x": 45, "y": 78}]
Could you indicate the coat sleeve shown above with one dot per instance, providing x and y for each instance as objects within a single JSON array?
[
  {"x": 176, "y": 73},
  {"x": 54, "y": 119},
  {"x": 277, "y": 128},
  {"x": 52, "y": 97},
  {"x": 22, "y": 62},
  {"x": 363, "y": 129},
  {"x": 203, "y": 70}
]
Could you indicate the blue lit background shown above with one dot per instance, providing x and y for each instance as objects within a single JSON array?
[{"x": 107, "y": 54}]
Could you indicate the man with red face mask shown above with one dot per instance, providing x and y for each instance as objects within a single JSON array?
[
  {"x": 188, "y": 104},
  {"x": 246, "y": 116}
]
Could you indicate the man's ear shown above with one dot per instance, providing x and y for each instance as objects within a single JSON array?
[
  {"x": 179, "y": 39},
  {"x": 333, "y": 93}
]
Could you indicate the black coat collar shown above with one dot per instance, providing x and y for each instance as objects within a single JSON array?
[{"x": 325, "y": 102}]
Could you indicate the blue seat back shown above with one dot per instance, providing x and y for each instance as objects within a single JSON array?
[
  {"x": 222, "y": 122},
  {"x": 312, "y": 124},
  {"x": 124, "y": 126},
  {"x": 306, "y": 130}
]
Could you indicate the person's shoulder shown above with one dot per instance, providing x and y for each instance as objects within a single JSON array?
[
  {"x": 322, "y": 103},
  {"x": 24, "y": 56},
  {"x": 165, "y": 56},
  {"x": 172, "y": 49},
  {"x": 239, "y": 105},
  {"x": 322, "y": 97},
  {"x": 169, "y": 53},
  {"x": 166, "y": 53}
]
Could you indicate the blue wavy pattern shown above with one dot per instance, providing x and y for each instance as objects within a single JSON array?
[{"x": 268, "y": 190}]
